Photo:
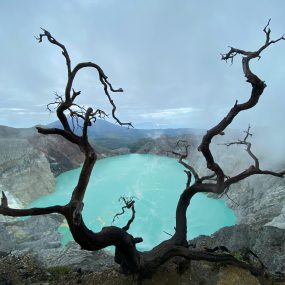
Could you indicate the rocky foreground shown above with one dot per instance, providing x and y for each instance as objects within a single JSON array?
[
  {"x": 24, "y": 270},
  {"x": 29, "y": 257}
]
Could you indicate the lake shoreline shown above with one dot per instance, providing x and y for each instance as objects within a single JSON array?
[{"x": 155, "y": 182}]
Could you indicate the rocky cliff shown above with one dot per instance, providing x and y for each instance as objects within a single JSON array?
[
  {"x": 25, "y": 172},
  {"x": 61, "y": 154},
  {"x": 29, "y": 163}
]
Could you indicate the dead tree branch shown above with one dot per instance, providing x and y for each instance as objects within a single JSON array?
[
  {"x": 182, "y": 153},
  {"x": 248, "y": 146},
  {"x": 128, "y": 203},
  {"x": 258, "y": 87},
  {"x": 253, "y": 169}
]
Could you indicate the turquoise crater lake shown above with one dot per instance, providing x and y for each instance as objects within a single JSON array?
[{"x": 156, "y": 182}]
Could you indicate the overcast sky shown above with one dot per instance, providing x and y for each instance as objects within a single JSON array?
[{"x": 164, "y": 54}]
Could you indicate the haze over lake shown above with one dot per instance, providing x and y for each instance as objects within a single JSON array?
[{"x": 155, "y": 182}]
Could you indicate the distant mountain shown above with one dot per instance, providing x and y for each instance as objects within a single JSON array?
[{"x": 115, "y": 136}]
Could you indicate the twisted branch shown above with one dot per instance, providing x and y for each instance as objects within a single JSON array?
[
  {"x": 128, "y": 203},
  {"x": 7, "y": 211},
  {"x": 253, "y": 169},
  {"x": 258, "y": 87},
  {"x": 183, "y": 152},
  {"x": 61, "y": 105},
  {"x": 248, "y": 146},
  {"x": 52, "y": 40}
]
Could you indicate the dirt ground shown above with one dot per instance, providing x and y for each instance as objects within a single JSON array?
[{"x": 15, "y": 270}]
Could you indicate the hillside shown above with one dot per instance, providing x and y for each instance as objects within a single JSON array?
[{"x": 113, "y": 136}]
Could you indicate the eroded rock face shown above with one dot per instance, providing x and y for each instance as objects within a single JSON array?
[
  {"x": 44, "y": 244},
  {"x": 61, "y": 154},
  {"x": 29, "y": 163},
  {"x": 268, "y": 243},
  {"x": 24, "y": 172},
  {"x": 259, "y": 201},
  {"x": 36, "y": 233}
]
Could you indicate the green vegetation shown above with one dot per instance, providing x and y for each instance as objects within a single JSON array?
[
  {"x": 59, "y": 270},
  {"x": 134, "y": 147},
  {"x": 238, "y": 256}
]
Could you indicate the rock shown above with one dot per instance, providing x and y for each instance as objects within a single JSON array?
[
  {"x": 104, "y": 153},
  {"x": 72, "y": 256},
  {"x": 21, "y": 235},
  {"x": 278, "y": 221},
  {"x": 268, "y": 243},
  {"x": 24, "y": 172},
  {"x": 28, "y": 163},
  {"x": 61, "y": 154},
  {"x": 44, "y": 244},
  {"x": 233, "y": 275},
  {"x": 13, "y": 272},
  {"x": 259, "y": 201}
]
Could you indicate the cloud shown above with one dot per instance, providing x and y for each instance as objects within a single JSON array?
[
  {"x": 164, "y": 54},
  {"x": 21, "y": 111},
  {"x": 40, "y": 105},
  {"x": 167, "y": 113},
  {"x": 25, "y": 113},
  {"x": 11, "y": 109}
]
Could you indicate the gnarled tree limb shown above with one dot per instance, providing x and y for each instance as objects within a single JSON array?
[{"x": 258, "y": 87}]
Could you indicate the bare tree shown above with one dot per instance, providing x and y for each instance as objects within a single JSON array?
[{"x": 130, "y": 259}]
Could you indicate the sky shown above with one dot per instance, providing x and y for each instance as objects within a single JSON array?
[{"x": 164, "y": 54}]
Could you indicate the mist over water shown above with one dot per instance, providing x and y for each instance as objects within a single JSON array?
[{"x": 155, "y": 182}]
